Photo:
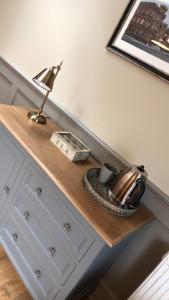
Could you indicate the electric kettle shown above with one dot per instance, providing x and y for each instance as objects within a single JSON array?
[{"x": 128, "y": 188}]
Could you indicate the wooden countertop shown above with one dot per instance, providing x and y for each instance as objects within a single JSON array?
[{"x": 35, "y": 139}]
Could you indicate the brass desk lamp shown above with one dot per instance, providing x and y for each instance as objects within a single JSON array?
[{"x": 45, "y": 79}]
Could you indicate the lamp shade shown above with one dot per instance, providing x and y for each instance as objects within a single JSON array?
[{"x": 45, "y": 79}]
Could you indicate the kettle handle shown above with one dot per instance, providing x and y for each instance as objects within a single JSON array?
[
  {"x": 129, "y": 192},
  {"x": 136, "y": 193}
]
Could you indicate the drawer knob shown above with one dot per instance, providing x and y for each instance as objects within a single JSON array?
[
  {"x": 15, "y": 236},
  {"x": 26, "y": 215},
  {"x": 52, "y": 251},
  {"x": 38, "y": 191},
  {"x": 37, "y": 273},
  {"x": 67, "y": 227},
  {"x": 6, "y": 189}
]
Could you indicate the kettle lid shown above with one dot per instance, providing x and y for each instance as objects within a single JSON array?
[{"x": 140, "y": 170}]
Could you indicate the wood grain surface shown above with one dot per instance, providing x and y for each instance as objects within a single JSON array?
[
  {"x": 35, "y": 139},
  {"x": 11, "y": 286}
]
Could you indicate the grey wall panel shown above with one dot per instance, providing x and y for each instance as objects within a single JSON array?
[
  {"x": 20, "y": 99},
  {"x": 5, "y": 88},
  {"x": 17, "y": 84},
  {"x": 158, "y": 203},
  {"x": 137, "y": 260}
]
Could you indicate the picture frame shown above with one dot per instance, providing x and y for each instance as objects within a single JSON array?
[{"x": 142, "y": 36}]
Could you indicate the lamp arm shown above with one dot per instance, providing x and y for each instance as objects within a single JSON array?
[
  {"x": 58, "y": 68},
  {"x": 43, "y": 103}
]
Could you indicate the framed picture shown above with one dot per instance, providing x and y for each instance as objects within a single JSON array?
[{"x": 142, "y": 36}]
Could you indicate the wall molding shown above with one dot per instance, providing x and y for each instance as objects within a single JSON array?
[{"x": 23, "y": 92}]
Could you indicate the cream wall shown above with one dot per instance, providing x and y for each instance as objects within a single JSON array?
[{"x": 125, "y": 106}]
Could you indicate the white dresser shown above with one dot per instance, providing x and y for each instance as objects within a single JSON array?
[{"x": 44, "y": 227}]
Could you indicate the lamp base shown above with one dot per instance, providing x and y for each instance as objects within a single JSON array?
[{"x": 36, "y": 117}]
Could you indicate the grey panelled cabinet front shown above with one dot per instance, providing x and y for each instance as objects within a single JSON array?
[
  {"x": 11, "y": 160},
  {"x": 51, "y": 246}
]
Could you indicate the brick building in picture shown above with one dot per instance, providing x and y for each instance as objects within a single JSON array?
[{"x": 148, "y": 24}]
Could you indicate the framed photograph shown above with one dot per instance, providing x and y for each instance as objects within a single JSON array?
[{"x": 142, "y": 36}]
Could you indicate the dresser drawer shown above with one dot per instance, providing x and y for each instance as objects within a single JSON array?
[
  {"x": 74, "y": 233},
  {"x": 52, "y": 254},
  {"x": 38, "y": 281}
]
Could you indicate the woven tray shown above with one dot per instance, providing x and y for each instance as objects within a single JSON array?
[{"x": 99, "y": 193}]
